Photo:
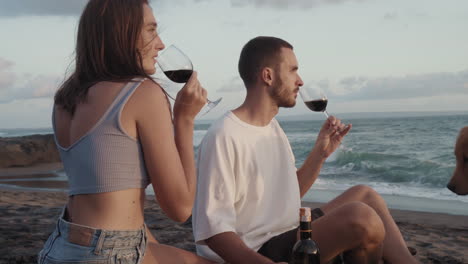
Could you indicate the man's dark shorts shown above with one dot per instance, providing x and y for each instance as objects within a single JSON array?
[{"x": 279, "y": 248}]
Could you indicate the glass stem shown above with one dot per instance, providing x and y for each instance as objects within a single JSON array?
[
  {"x": 211, "y": 105},
  {"x": 326, "y": 113}
]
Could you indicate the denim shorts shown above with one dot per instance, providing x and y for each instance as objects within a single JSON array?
[{"x": 73, "y": 243}]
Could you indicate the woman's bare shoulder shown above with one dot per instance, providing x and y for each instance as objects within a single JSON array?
[
  {"x": 150, "y": 96},
  {"x": 150, "y": 86}
]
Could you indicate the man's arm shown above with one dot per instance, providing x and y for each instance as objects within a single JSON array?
[
  {"x": 232, "y": 249},
  {"x": 309, "y": 171},
  {"x": 328, "y": 140}
]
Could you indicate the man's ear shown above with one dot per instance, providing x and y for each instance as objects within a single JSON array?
[{"x": 267, "y": 75}]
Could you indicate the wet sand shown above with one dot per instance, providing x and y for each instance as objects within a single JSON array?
[{"x": 27, "y": 218}]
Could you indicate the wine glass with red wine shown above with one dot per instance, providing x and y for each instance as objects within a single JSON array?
[
  {"x": 178, "y": 68},
  {"x": 315, "y": 99}
]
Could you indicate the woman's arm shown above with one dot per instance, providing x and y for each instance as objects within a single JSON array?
[{"x": 168, "y": 148}]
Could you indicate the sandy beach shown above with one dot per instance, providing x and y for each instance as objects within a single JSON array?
[{"x": 28, "y": 217}]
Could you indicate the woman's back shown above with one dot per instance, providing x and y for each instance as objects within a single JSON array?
[{"x": 121, "y": 209}]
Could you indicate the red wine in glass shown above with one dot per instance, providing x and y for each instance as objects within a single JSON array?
[
  {"x": 179, "y": 76},
  {"x": 178, "y": 68},
  {"x": 318, "y": 105},
  {"x": 314, "y": 99}
]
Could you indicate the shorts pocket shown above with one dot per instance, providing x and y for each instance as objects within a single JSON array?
[
  {"x": 126, "y": 256},
  {"x": 68, "y": 253}
]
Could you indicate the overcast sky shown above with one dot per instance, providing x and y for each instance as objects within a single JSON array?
[{"x": 367, "y": 55}]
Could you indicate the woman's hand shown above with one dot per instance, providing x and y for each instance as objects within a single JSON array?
[
  {"x": 190, "y": 99},
  {"x": 330, "y": 136}
]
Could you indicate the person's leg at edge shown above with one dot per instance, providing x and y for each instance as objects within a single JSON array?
[
  {"x": 394, "y": 247},
  {"x": 355, "y": 228}
]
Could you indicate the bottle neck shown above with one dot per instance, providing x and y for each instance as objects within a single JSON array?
[{"x": 305, "y": 230}]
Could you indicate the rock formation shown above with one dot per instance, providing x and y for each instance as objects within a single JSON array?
[{"x": 27, "y": 151}]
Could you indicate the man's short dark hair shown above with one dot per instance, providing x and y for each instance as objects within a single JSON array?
[{"x": 258, "y": 53}]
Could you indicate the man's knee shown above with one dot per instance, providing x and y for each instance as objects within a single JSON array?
[
  {"x": 363, "y": 190},
  {"x": 366, "y": 224},
  {"x": 368, "y": 195}
]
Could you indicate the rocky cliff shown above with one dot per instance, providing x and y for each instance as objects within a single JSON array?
[{"x": 27, "y": 151}]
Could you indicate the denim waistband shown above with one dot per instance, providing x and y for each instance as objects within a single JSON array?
[{"x": 100, "y": 238}]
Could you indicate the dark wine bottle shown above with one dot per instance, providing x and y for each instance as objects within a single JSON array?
[{"x": 305, "y": 251}]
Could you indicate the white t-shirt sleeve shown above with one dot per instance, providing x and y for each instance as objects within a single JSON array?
[{"x": 214, "y": 211}]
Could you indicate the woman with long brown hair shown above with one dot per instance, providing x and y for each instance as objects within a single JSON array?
[{"x": 115, "y": 134}]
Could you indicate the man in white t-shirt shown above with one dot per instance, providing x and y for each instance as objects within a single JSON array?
[{"x": 249, "y": 190}]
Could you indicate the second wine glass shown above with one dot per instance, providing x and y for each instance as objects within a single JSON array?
[
  {"x": 178, "y": 68},
  {"x": 315, "y": 99}
]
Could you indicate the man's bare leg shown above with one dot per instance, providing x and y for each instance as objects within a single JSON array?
[
  {"x": 353, "y": 227},
  {"x": 394, "y": 247}
]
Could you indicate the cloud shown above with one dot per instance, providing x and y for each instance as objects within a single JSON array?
[
  {"x": 13, "y": 88},
  {"x": 404, "y": 87},
  {"x": 234, "y": 85},
  {"x": 353, "y": 83},
  {"x": 41, "y": 7},
  {"x": 14, "y": 8},
  {"x": 6, "y": 77},
  {"x": 382, "y": 88},
  {"x": 343, "y": 86},
  {"x": 288, "y": 4},
  {"x": 391, "y": 16}
]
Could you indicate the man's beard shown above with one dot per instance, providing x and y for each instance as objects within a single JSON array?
[{"x": 282, "y": 96}]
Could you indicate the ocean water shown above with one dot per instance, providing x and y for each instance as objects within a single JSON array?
[
  {"x": 393, "y": 155},
  {"x": 409, "y": 160},
  {"x": 19, "y": 132}
]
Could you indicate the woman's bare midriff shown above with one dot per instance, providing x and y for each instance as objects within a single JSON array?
[{"x": 119, "y": 210}]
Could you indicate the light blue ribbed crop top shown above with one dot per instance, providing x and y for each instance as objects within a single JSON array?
[{"x": 106, "y": 158}]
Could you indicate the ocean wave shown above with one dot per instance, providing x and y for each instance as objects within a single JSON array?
[
  {"x": 346, "y": 156},
  {"x": 393, "y": 189},
  {"x": 389, "y": 168}
]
